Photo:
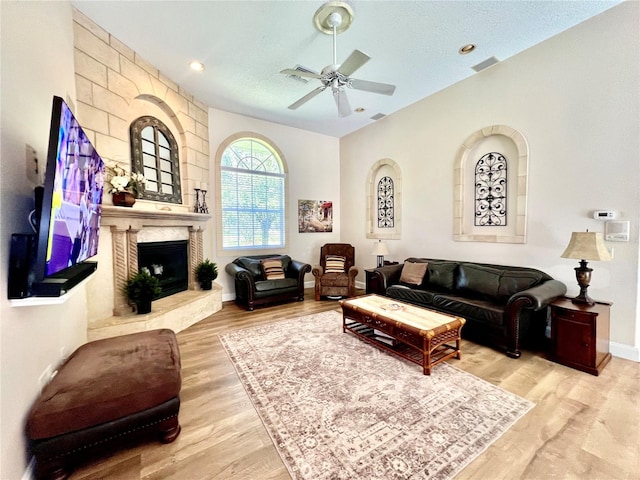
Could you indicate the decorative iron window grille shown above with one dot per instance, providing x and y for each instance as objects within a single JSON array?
[
  {"x": 154, "y": 153},
  {"x": 385, "y": 202},
  {"x": 491, "y": 190}
]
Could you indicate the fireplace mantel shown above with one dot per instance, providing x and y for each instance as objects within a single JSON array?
[{"x": 137, "y": 218}]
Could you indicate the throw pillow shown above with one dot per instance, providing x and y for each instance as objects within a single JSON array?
[
  {"x": 272, "y": 268},
  {"x": 413, "y": 273},
  {"x": 334, "y": 264}
]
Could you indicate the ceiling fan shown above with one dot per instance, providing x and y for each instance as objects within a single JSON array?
[{"x": 329, "y": 19}]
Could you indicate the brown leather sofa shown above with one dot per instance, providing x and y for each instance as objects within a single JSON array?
[
  {"x": 252, "y": 288},
  {"x": 503, "y": 305}
]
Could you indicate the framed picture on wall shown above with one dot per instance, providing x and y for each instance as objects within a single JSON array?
[{"x": 315, "y": 216}]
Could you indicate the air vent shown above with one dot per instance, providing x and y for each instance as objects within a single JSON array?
[
  {"x": 485, "y": 64},
  {"x": 301, "y": 79},
  {"x": 378, "y": 116}
]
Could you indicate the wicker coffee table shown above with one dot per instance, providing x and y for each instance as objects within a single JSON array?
[{"x": 418, "y": 334}]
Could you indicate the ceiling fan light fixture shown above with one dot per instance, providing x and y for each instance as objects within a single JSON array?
[{"x": 325, "y": 17}]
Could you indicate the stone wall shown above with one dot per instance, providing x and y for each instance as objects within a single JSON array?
[{"x": 114, "y": 86}]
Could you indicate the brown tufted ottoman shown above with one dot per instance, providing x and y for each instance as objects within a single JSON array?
[{"x": 106, "y": 392}]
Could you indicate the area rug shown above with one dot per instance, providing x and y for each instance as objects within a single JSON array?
[{"x": 339, "y": 408}]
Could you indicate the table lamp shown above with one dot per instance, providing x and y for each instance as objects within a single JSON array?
[
  {"x": 380, "y": 249},
  {"x": 585, "y": 246}
]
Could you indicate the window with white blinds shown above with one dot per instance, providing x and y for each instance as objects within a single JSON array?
[{"x": 252, "y": 196}]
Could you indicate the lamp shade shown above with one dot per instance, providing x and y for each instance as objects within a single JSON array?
[
  {"x": 587, "y": 246},
  {"x": 380, "y": 248}
]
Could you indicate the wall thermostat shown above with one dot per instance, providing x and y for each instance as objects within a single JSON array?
[{"x": 605, "y": 214}]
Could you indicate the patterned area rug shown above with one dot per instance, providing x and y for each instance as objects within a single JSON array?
[{"x": 339, "y": 408}]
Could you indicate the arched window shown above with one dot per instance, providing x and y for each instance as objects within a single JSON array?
[
  {"x": 154, "y": 152},
  {"x": 252, "y": 195}
]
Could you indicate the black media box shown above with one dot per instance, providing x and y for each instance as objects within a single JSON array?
[{"x": 22, "y": 254}]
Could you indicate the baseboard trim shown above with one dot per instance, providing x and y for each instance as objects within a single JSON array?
[{"x": 624, "y": 351}]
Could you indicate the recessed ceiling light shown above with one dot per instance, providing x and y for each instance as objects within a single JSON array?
[
  {"x": 468, "y": 48},
  {"x": 197, "y": 66},
  {"x": 359, "y": 110}
]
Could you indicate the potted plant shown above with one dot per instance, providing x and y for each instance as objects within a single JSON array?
[
  {"x": 141, "y": 289},
  {"x": 206, "y": 272}
]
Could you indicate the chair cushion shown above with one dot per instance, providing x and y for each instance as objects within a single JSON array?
[
  {"x": 335, "y": 280},
  {"x": 253, "y": 265},
  {"x": 280, "y": 283},
  {"x": 479, "y": 281},
  {"x": 272, "y": 268},
  {"x": 108, "y": 379},
  {"x": 334, "y": 264},
  {"x": 442, "y": 274},
  {"x": 413, "y": 273}
]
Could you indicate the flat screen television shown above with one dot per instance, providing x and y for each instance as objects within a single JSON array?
[{"x": 69, "y": 225}]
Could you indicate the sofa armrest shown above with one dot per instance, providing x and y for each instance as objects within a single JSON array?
[
  {"x": 388, "y": 275},
  {"x": 240, "y": 274},
  {"x": 298, "y": 270},
  {"x": 535, "y": 298},
  {"x": 538, "y": 297},
  {"x": 317, "y": 271}
]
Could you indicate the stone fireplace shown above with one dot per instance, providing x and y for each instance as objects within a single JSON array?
[{"x": 123, "y": 231}]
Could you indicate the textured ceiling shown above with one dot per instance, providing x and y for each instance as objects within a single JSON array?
[{"x": 245, "y": 44}]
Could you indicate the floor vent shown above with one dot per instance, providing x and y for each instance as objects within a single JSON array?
[{"x": 378, "y": 116}]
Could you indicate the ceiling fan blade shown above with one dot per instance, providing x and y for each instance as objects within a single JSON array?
[
  {"x": 300, "y": 73},
  {"x": 306, "y": 98},
  {"x": 375, "y": 87},
  {"x": 353, "y": 62},
  {"x": 340, "y": 96}
]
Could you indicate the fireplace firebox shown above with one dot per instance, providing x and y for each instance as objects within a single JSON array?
[{"x": 168, "y": 262}]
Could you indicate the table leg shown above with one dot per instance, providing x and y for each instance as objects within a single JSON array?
[{"x": 426, "y": 357}]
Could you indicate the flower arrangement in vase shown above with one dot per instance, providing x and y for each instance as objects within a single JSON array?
[{"x": 124, "y": 187}]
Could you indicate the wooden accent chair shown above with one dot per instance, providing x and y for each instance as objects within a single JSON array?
[{"x": 336, "y": 280}]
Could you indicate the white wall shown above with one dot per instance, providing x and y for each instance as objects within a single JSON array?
[
  {"x": 313, "y": 163},
  {"x": 37, "y": 63},
  {"x": 576, "y": 98}
]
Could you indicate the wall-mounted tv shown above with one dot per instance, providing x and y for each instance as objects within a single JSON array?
[{"x": 69, "y": 225}]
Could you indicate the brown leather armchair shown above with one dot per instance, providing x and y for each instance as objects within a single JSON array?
[{"x": 336, "y": 284}]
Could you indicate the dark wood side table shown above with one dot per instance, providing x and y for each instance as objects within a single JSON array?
[{"x": 580, "y": 335}]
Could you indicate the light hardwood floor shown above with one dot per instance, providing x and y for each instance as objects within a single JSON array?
[{"x": 583, "y": 427}]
